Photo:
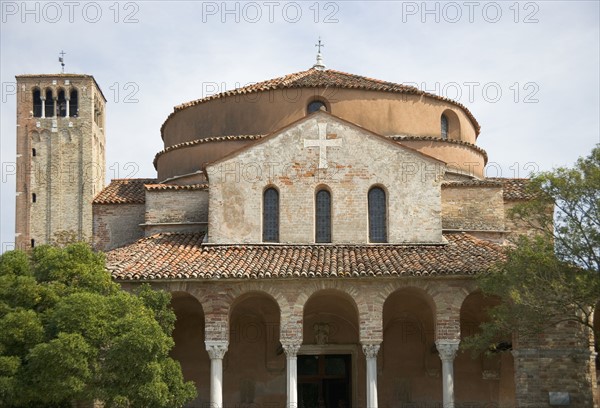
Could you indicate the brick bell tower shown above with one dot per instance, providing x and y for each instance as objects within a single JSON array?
[{"x": 60, "y": 156}]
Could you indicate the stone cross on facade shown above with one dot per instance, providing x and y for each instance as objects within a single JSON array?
[{"x": 322, "y": 143}]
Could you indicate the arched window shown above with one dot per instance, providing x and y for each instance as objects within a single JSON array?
[
  {"x": 444, "y": 125},
  {"x": 73, "y": 103},
  {"x": 33, "y": 198},
  {"x": 323, "y": 216},
  {"x": 271, "y": 215},
  {"x": 315, "y": 106},
  {"x": 377, "y": 215},
  {"x": 49, "y": 104},
  {"x": 61, "y": 104},
  {"x": 37, "y": 103},
  {"x": 33, "y": 152}
]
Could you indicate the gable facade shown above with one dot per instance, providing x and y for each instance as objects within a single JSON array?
[{"x": 317, "y": 153}]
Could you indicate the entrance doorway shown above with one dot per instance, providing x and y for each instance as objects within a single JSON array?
[{"x": 324, "y": 381}]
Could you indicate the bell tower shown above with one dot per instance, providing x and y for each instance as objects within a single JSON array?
[{"x": 60, "y": 156}]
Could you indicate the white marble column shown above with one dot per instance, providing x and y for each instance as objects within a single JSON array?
[
  {"x": 216, "y": 351},
  {"x": 67, "y": 113},
  {"x": 291, "y": 352},
  {"x": 43, "y": 107},
  {"x": 371, "y": 351},
  {"x": 447, "y": 350}
]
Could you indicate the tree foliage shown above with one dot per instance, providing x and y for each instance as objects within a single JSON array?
[
  {"x": 71, "y": 334},
  {"x": 575, "y": 224},
  {"x": 552, "y": 275}
]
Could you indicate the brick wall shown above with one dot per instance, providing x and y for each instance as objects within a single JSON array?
[
  {"x": 116, "y": 225},
  {"x": 68, "y": 168},
  {"x": 176, "y": 211},
  {"x": 362, "y": 160},
  {"x": 560, "y": 360},
  {"x": 472, "y": 208},
  {"x": 516, "y": 227}
]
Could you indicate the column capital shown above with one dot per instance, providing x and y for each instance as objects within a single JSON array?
[
  {"x": 370, "y": 350},
  {"x": 447, "y": 349},
  {"x": 216, "y": 349},
  {"x": 291, "y": 348}
]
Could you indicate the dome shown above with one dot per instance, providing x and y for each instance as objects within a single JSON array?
[{"x": 204, "y": 130}]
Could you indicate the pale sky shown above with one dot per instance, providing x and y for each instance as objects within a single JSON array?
[{"x": 528, "y": 71}]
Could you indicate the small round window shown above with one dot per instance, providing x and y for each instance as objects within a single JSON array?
[{"x": 315, "y": 106}]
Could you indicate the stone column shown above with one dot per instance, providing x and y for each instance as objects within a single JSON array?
[
  {"x": 43, "y": 106},
  {"x": 371, "y": 351},
  {"x": 447, "y": 350},
  {"x": 291, "y": 352},
  {"x": 67, "y": 101},
  {"x": 216, "y": 351}
]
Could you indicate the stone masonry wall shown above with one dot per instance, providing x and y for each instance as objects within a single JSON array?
[{"x": 472, "y": 208}]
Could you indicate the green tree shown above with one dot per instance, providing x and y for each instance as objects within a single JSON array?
[
  {"x": 68, "y": 333},
  {"x": 552, "y": 275}
]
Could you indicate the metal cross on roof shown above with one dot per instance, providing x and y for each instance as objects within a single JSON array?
[
  {"x": 319, "y": 45},
  {"x": 61, "y": 59},
  {"x": 319, "y": 65}
]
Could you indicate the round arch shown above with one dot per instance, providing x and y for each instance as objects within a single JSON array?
[
  {"x": 36, "y": 95},
  {"x": 49, "y": 99},
  {"x": 316, "y": 103},
  {"x": 252, "y": 293},
  {"x": 418, "y": 291},
  {"x": 411, "y": 367},
  {"x": 330, "y": 316},
  {"x": 255, "y": 362},
  {"x": 453, "y": 124},
  {"x": 189, "y": 337},
  {"x": 61, "y": 102},
  {"x": 486, "y": 379}
]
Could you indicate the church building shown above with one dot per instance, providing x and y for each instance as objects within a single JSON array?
[{"x": 320, "y": 233}]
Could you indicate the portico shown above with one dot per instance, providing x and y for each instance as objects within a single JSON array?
[{"x": 362, "y": 342}]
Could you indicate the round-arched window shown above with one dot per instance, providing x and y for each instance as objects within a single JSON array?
[
  {"x": 323, "y": 216},
  {"x": 315, "y": 106},
  {"x": 444, "y": 126}
]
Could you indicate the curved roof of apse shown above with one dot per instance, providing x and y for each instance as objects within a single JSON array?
[{"x": 328, "y": 78}]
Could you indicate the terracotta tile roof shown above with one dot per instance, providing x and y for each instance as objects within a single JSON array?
[
  {"x": 205, "y": 140},
  {"x": 256, "y": 137},
  {"x": 437, "y": 139},
  {"x": 183, "y": 256},
  {"x": 123, "y": 191},
  {"x": 514, "y": 188},
  {"x": 160, "y": 187},
  {"x": 472, "y": 183},
  {"x": 329, "y": 78}
]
